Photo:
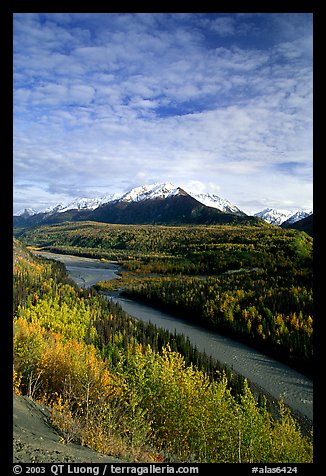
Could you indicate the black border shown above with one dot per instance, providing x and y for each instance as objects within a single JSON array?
[{"x": 8, "y": 9}]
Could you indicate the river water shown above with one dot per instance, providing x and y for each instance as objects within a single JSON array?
[{"x": 276, "y": 378}]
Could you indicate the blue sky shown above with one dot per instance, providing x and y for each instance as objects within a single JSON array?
[{"x": 220, "y": 103}]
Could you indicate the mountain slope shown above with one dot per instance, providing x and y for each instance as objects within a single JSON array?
[
  {"x": 214, "y": 201},
  {"x": 49, "y": 218},
  {"x": 36, "y": 440},
  {"x": 305, "y": 224}
]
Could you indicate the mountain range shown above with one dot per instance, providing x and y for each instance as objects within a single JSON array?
[
  {"x": 138, "y": 194},
  {"x": 157, "y": 203}
]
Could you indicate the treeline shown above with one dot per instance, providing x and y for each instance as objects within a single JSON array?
[
  {"x": 123, "y": 331},
  {"x": 34, "y": 277},
  {"x": 110, "y": 389}
]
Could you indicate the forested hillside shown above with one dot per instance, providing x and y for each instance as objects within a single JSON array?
[
  {"x": 306, "y": 224},
  {"x": 249, "y": 282},
  {"x": 113, "y": 389}
]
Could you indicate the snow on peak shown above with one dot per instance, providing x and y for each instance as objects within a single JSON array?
[
  {"x": 213, "y": 200},
  {"x": 278, "y": 216},
  {"x": 166, "y": 190},
  {"x": 55, "y": 209},
  {"x": 299, "y": 215},
  {"x": 88, "y": 203},
  {"x": 27, "y": 212},
  {"x": 81, "y": 204},
  {"x": 146, "y": 192}
]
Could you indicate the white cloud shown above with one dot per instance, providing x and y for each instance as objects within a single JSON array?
[
  {"x": 113, "y": 98},
  {"x": 223, "y": 26}
]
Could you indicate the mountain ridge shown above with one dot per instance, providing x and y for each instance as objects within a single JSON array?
[
  {"x": 137, "y": 194},
  {"x": 177, "y": 209}
]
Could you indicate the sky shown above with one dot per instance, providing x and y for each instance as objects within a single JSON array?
[{"x": 218, "y": 103}]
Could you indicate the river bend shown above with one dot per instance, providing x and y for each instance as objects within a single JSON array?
[{"x": 276, "y": 378}]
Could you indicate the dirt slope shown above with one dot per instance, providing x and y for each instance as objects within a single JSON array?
[{"x": 36, "y": 441}]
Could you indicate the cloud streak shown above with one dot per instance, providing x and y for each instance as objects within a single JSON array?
[{"x": 104, "y": 100}]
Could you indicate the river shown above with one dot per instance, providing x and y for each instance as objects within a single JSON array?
[{"x": 277, "y": 379}]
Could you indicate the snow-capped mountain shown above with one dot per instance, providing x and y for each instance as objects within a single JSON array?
[
  {"x": 162, "y": 203},
  {"x": 167, "y": 190},
  {"x": 150, "y": 192},
  {"x": 81, "y": 204},
  {"x": 145, "y": 192},
  {"x": 87, "y": 203},
  {"x": 299, "y": 215},
  {"x": 278, "y": 216},
  {"x": 159, "y": 203},
  {"x": 164, "y": 191},
  {"x": 27, "y": 212},
  {"x": 274, "y": 216}
]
